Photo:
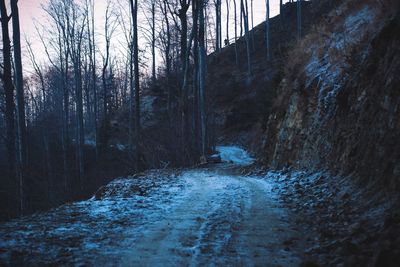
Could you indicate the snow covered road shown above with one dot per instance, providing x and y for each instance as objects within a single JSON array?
[
  {"x": 221, "y": 219},
  {"x": 193, "y": 218}
]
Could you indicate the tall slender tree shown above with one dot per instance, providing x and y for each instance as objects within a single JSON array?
[
  {"x": 195, "y": 91},
  {"x": 202, "y": 79},
  {"x": 94, "y": 77},
  {"x": 187, "y": 145},
  {"x": 153, "y": 39},
  {"x": 218, "y": 20},
  {"x": 106, "y": 74},
  {"x": 227, "y": 42},
  {"x": 59, "y": 13},
  {"x": 182, "y": 15},
  {"x": 252, "y": 23},
  {"x": 236, "y": 33},
  {"x": 299, "y": 19},
  {"x": 76, "y": 26},
  {"x": 21, "y": 123},
  {"x": 10, "y": 105},
  {"x": 267, "y": 43},
  {"x": 134, "y": 14},
  {"x": 245, "y": 14}
]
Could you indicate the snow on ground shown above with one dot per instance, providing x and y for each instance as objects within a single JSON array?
[
  {"x": 192, "y": 218},
  {"x": 90, "y": 142},
  {"x": 234, "y": 154}
]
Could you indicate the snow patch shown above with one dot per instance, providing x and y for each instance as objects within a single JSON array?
[
  {"x": 234, "y": 154},
  {"x": 357, "y": 20},
  {"x": 90, "y": 142},
  {"x": 119, "y": 147},
  {"x": 327, "y": 70}
]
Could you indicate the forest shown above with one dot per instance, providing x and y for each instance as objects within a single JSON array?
[
  {"x": 200, "y": 132},
  {"x": 59, "y": 119}
]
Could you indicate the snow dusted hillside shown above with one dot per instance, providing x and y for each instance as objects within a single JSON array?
[{"x": 337, "y": 107}]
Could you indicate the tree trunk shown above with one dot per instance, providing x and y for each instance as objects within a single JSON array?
[
  {"x": 252, "y": 24},
  {"x": 227, "y": 42},
  {"x": 299, "y": 19},
  {"x": 186, "y": 148},
  {"x": 79, "y": 120},
  {"x": 202, "y": 76},
  {"x": 65, "y": 135},
  {"x": 134, "y": 11},
  {"x": 92, "y": 52},
  {"x": 241, "y": 19},
  {"x": 9, "y": 112},
  {"x": 195, "y": 110},
  {"x": 218, "y": 25},
  {"x": 247, "y": 37},
  {"x": 236, "y": 32},
  {"x": 167, "y": 57},
  {"x": 76, "y": 38},
  {"x": 267, "y": 31},
  {"x": 20, "y": 102},
  {"x": 182, "y": 14},
  {"x": 106, "y": 80},
  {"x": 153, "y": 40},
  {"x": 131, "y": 99}
]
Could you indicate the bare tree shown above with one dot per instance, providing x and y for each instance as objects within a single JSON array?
[
  {"x": 21, "y": 124},
  {"x": 59, "y": 12},
  {"x": 186, "y": 146},
  {"x": 10, "y": 105},
  {"x": 195, "y": 90},
  {"x": 299, "y": 19},
  {"x": 134, "y": 14},
  {"x": 218, "y": 25},
  {"x": 76, "y": 24},
  {"x": 166, "y": 37},
  {"x": 106, "y": 74},
  {"x": 236, "y": 34},
  {"x": 202, "y": 78},
  {"x": 227, "y": 41},
  {"x": 182, "y": 15},
  {"x": 267, "y": 44},
  {"x": 153, "y": 39},
  {"x": 245, "y": 12},
  {"x": 92, "y": 60},
  {"x": 252, "y": 23}
]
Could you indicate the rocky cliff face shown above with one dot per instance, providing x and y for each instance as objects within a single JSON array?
[{"x": 338, "y": 105}]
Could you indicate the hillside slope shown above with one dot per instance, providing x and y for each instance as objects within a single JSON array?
[
  {"x": 337, "y": 107},
  {"x": 239, "y": 103},
  {"x": 327, "y": 107}
]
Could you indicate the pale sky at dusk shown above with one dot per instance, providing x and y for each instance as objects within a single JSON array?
[{"x": 31, "y": 11}]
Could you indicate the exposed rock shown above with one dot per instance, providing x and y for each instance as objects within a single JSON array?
[{"x": 338, "y": 104}]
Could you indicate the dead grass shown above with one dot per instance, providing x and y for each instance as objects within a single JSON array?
[{"x": 320, "y": 41}]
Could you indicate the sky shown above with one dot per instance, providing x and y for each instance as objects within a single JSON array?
[{"x": 31, "y": 12}]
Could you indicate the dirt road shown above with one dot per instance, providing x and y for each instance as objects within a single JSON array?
[{"x": 198, "y": 217}]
